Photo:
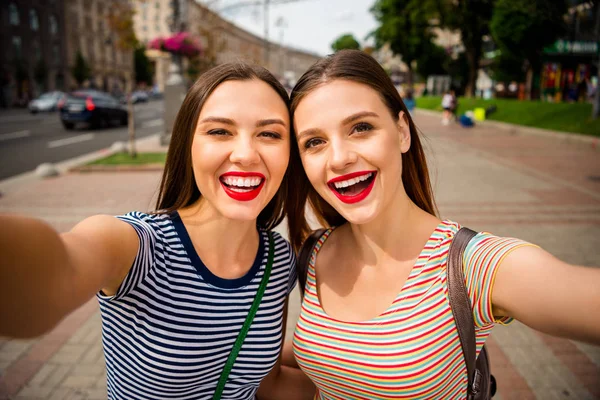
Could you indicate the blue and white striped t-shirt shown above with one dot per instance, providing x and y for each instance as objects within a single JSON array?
[{"x": 169, "y": 329}]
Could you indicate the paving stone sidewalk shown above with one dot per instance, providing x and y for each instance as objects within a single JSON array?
[{"x": 539, "y": 189}]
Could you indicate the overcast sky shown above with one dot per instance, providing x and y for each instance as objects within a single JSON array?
[{"x": 309, "y": 24}]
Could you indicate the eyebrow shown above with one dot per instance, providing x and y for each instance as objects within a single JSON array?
[
  {"x": 259, "y": 124},
  {"x": 345, "y": 121}
]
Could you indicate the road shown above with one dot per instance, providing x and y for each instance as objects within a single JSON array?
[{"x": 27, "y": 140}]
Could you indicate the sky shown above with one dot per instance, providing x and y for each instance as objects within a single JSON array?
[{"x": 310, "y": 25}]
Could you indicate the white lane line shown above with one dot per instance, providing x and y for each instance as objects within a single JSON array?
[
  {"x": 70, "y": 140},
  {"x": 14, "y": 135},
  {"x": 151, "y": 123}
]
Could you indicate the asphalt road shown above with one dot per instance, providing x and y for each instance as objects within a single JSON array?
[{"x": 27, "y": 140}]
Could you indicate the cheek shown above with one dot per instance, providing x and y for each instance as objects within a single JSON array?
[{"x": 277, "y": 159}]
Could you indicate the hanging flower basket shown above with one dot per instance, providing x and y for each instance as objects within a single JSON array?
[{"x": 181, "y": 43}]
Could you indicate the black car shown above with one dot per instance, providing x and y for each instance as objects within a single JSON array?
[{"x": 92, "y": 107}]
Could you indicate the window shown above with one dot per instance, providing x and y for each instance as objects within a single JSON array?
[
  {"x": 34, "y": 22},
  {"x": 56, "y": 54},
  {"x": 158, "y": 4},
  {"x": 37, "y": 50},
  {"x": 16, "y": 43},
  {"x": 13, "y": 14},
  {"x": 53, "y": 24}
]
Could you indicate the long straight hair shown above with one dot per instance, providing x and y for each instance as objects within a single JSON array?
[
  {"x": 178, "y": 188},
  {"x": 357, "y": 66}
]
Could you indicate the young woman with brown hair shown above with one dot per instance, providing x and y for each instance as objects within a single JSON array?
[
  {"x": 375, "y": 319},
  {"x": 176, "y": 286}
]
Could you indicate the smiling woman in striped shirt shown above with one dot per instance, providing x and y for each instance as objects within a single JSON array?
[
  {"x": 176, "y": 286},
  {"x": 375, "y": 321}
]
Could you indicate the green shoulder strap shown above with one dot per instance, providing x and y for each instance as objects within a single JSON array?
[{"x": 246, "y": 327}]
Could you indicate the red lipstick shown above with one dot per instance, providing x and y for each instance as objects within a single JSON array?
[
  {"x": 249, "y": 193},
  {"x": 356, "y": 197}
]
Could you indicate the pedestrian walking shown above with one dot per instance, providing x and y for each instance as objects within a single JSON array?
[
  {"x": 376, "y": 319},
  {"x": 449, "y": 106},
  {"x": 193, "y": 296},
  {"x": 410, "y": 102}
]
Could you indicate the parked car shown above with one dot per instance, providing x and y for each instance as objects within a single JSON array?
[
  {"x": 46, "y": 102},
  {"x": 139, "y": 96},
  {"x": 91, "y": 107}
]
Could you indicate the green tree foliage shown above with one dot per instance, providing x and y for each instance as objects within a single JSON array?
[
  {"x": 472, "y": 19},
  {"x": 81, "y": 70},
  {"x": 522, "y": 28},
  {"x": 346, "y": 41},
  {"x": 433, "y": 61},
  {"x": 404, "y": 24},
  {"x": 143, "y": 67}
]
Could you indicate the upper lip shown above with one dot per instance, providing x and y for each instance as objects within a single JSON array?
[
  {"x": 349, "y": 176},
  {"x": 244, "y": 174}
]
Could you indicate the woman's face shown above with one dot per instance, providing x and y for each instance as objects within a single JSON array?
[
  {"x": 241, "y": 148},
  {"x": 351, "y": 148}
]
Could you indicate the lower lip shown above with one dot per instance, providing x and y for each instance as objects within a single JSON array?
[
  {"x": 356, "y": 198},
  {"x": 243, "y": 196}
]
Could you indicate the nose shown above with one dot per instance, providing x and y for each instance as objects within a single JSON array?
[
  {"x": 341, "y": 155},
  {"x": 244, "y": 152}
]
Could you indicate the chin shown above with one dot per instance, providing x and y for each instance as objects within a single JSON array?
[{"x": 359, "y": 215}]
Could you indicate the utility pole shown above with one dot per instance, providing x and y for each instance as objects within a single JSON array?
[
  {"x": 596, "y": 106},
  {"x": 266, "y": 22}
]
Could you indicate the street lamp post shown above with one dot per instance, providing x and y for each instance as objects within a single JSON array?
[{"x": 175, "y": 88}]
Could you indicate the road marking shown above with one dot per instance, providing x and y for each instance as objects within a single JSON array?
[
  {"x": 14, "y": 135},
  {"x": 151, "y": 123},
  {"x": 70, "y": 140}
]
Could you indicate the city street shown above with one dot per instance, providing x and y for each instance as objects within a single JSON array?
[
  {"x": 28, "y": 140},
  {"x": 538, "y": 188}
]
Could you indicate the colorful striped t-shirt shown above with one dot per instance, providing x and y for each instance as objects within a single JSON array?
[{"x": 412, "y": 350}]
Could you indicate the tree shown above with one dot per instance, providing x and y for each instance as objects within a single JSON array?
[
  {"x": 404, "y": 24},
  {"x": 142, "y": 66},
  {"x": 522, "y": 28},
  {"x": 81, "y": 70},
  {"x": 120, "y": 21},
  {"x": 432, "y": 61},
  {"x": 471, "y": 18},
  {"x": 346, "y": 41}
]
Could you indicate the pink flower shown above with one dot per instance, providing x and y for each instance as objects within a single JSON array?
[{"x": 181, "y": 43}]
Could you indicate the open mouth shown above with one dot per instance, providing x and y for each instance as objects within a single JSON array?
[
  {"x": 354, "y": 187},
  {"x": 242, "y": 186}
]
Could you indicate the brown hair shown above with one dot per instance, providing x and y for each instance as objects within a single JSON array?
[
  {"x": 357, "y": 66},
  {"x": 178, "y": 186}
]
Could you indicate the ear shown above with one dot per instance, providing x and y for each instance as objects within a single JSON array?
[{"x": 404, "y": 131}]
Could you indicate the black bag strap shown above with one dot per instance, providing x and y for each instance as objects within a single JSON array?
[
  {"x": 304, "y": 257},
  {"x": 460, "y": 302},
  {"x": 246, "y": 327}
]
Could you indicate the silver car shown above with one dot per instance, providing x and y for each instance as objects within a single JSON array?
[{"x": 46, "y": 102}]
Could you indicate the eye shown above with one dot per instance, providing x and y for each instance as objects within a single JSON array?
[
  {"x": 271, "y": 135},
  {"x": 362, "y": 127},
  {"x": 310, "y": 143},
  {"x": 217, "y": 132}
]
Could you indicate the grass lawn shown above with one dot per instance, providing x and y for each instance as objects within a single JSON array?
[
  {"x": 124, "y": 158},
  {"x": 566, "y": 117}
]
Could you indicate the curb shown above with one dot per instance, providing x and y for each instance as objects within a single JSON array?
[
  {"x": 591, "y": 141},
  {"x": 118, "y": 168},
  {"x": 65, "y": 166}
]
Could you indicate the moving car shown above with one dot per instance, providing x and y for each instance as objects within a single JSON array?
[
  {"x": 46, "y": 102},
  {"x": 91, "y": 107}
]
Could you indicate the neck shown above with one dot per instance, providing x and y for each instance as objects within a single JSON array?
[
  {"x": 220, "y": 241},
  {"x": 398, "y": 233}
]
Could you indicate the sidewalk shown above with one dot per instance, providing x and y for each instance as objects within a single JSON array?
[{"x": 536, "y": 188}]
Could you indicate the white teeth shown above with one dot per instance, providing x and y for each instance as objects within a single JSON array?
[
  {"x": 241, "y": 182},
  {"x": 352, "y": 181}
]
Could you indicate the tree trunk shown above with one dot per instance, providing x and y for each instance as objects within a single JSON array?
[
  {"x": 409, "y": 77},
  {"x": 529, "y": 82},
  {"x": 473, "y": 60},
  {"x": 131, "y": 119}
]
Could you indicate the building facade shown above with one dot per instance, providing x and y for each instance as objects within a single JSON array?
[
  {"x": 88, "y": 33},
  {"x": 32, "y": 50},
  {"x": 222, "y": 41}
]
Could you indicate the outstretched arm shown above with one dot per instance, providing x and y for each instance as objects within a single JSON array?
[
  {"x": 284, "y": 382},
  {"x": 45, "y": 275},
  {"x": 549, "y": 295}
]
